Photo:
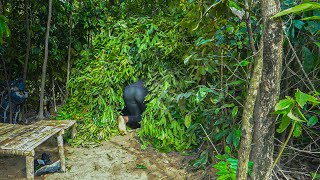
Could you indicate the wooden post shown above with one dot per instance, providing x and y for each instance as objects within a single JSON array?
[
  {"x": 30, "y": 165},
  {"x": 61, "y": 151},
  {"x": 74, "y": 130}
]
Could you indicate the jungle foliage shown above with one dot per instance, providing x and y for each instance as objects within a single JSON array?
[
  {"x": 181, "y": 72},
  {"x": 196, "y": 60}
]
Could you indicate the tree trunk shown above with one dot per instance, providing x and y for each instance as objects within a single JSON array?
[
  {"x": 44, "y": 67},
  {"x": 246, "y": 134},
  {"x": 1, "y": 7},
  {"x": 247, "y": 117},
  {"x": 26, "y": 61},
  {"x": 8, "y": 88},
  {"x": 264, "y": 120},
  {"x": 25, "y": 69},
  {"x": 54, "y": 95},
  {"x": 69, "y": 50}
]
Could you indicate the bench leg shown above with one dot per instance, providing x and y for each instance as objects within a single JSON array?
[
  {"x": 61, "y": 152},
  {"x": 30, "y": 165},
  {"x": 74, "y": 131}
]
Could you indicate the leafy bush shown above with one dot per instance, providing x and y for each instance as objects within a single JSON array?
[
  {"x": 122, "y": 53},
  {"x": 299, "y": 111},
  {"x": 186, "y": 82},
  {"x": 227, "y": 166}
]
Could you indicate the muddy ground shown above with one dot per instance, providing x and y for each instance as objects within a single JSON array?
[{"x": 117, "y": 159}]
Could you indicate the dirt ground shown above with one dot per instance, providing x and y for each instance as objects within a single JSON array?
[{"x": 117, "y": 159}]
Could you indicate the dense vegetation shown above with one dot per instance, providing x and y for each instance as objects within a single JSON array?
[{"x": 196, "y": 58}]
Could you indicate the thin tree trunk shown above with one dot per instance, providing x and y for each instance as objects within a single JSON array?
[
  {"x": 69, "y": 50},
  {"x": 264, "y": 120},
  {"x": 8, "y": 88},
  {"x": 25, "y": 69},
  {"x": 26, "y": 61},
  {"x": 54, "y": 96},
  {"x": 44, "y": 67},
  {"x": 1, "y": 7},
  {"x": 246, "y": 135},
  {"x": 69, "y": 57},
  {"x": 247, "y": 117}
]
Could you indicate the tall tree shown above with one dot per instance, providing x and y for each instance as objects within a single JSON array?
[
  {"x": 248, "y": 113},
  {"x": 44, "y": 66},
  {"x": 262, "y": 96},
  {"x": 264, "y": 120}
]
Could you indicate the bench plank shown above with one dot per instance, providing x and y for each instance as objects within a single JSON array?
[
  {"x": 5, "y": 129},
  {"x": 17, "y": 133},
  {"x": 24, "y": 138},
  {"x": 64, "y": 124},
  {"x": 32, "y": 137}
]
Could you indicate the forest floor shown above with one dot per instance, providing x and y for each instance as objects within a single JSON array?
[{"x": 120, "y": 158}]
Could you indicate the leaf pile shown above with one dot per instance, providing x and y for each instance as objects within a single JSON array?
[{"x": 122, "y": 53}]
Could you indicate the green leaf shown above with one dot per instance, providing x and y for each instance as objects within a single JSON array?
[
  {"x": 202, "y": 41},
  {"x": 233, "y": 163},
  {"x": 224, "y": 177},
  {"x": 301, "y": 115},
  {"x": 192, "y": 127},
  {"x": 236, "y": 141},
  {"x": 285, "y": 121},
  {"x": 221, "y": 134},
  {"x": 298, "y": 24},
  {"x": 229, "y": 28},
  {"x": 244, "y": 63},
  {"x": 315, "y": 176},
  {"x": 186, "y": 60},
  {"x": 311, "y": 18},
  {"x": 299, "y": 8},
  {"x": 210, "y": 69},
  {"x": 202, "y": 70},
  {"x": 234, "y": 112},
  {"x": 317, "y": 43},
  {"x": 140, "y": 166},
  {"x": 237, "y": 82},
  {"x": 312, "y": 27},
  {"x": 308, "y": 58},
  {"x": 303, "y": 98},
  {"x": 202, "y": 160},
  {"x": 297, "y": 130},
  {"x": 312, "y": 121},
  {"x": 202, "y": 93},
  {"x": 4, "y": 19},
  {"x": 222, "y": 157},
  {"x": 230, "y": 137},
  {"x": 228, "y": 105},
  {"x": 233, "y": 4},
  {"x": 187, "y": 121},
  {"x": 218, "y": 122},
  {"x": 227, "y": 149},
  {"x": 293, "y": 117},
  {"x": 284, "y": 104}
]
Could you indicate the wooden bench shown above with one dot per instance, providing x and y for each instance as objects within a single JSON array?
[
  {"x": 23, "y": 139},
  {"x": 64, "y": 124}
]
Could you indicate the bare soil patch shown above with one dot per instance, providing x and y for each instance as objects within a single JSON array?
[{"x": 119, "y": 158}]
